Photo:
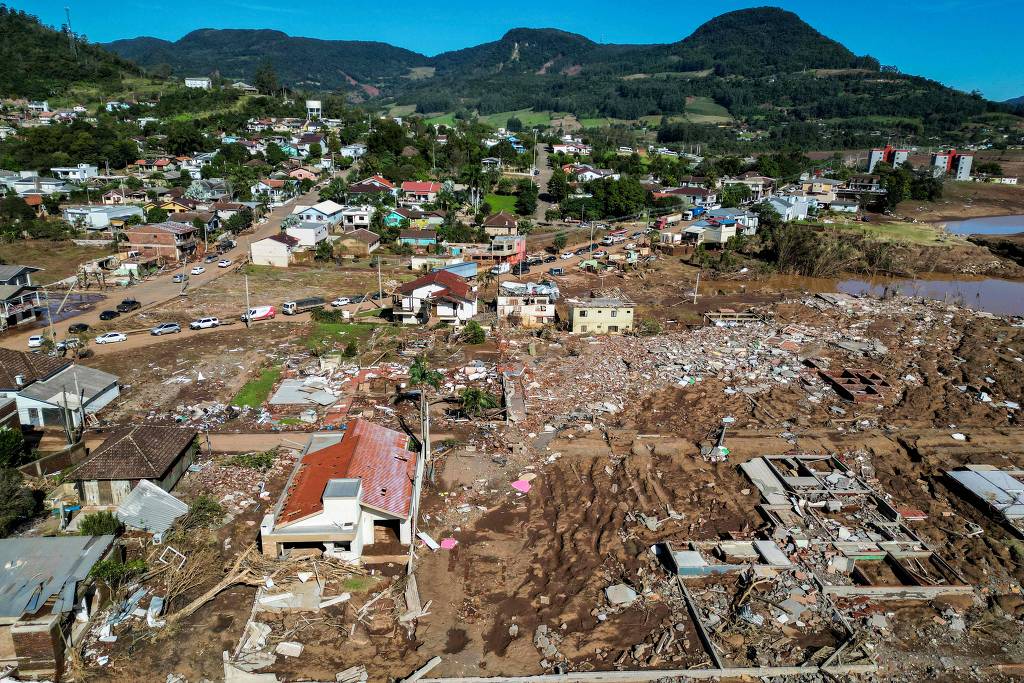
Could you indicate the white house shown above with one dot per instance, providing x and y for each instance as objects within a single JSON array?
[
  {"x": 45, "y": 388},
  {"x": 102, "y": 216},
  {"x": 275, "y": 250},
  {"x": 326, "y": 212},
  {"x": 439, "y": 295},
  {"x": 345, "y": 487},
  {"x": 353, "y": 151},
  {"x": 356, "y": 217},
  {"x": 790, "y": 208},
  {"x": 276, "y": 191},
  {"x": 76, "y": 173},
  {"x": 308, "y": 234},
  {"x": 200, "y": 82},
  {"x": 527, "y": 304},
  {"x": 571, "y": 148}
]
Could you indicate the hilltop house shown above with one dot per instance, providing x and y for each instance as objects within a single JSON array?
[
  {"x": 439, "y": 295},
  {"x": 361, "y": 242},
  {"x": 345, "y": 487}
]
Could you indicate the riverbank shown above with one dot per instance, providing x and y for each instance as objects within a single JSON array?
[{"x": 966, "y": 200}]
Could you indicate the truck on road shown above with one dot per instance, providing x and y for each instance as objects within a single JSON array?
[
  {"x": 670, "y": 219},
  {"x": 303, "y": 305}
]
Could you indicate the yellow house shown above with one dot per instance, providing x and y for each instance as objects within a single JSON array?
[
  {"x": 168, "y": 205},
  {"x": 822, "y": 189},
  {"x": 600, "y": 316}
]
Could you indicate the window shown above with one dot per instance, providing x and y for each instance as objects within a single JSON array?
[
  {"x": 583, "y": 328},
  {"x": 583, "y": 314},
  {"x": 615, "y": 313},
  {"x": 613, "y": 328}
]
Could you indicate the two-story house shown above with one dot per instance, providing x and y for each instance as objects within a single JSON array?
[
  {"x": 502, "y": 223},
  {"x": 326, "y": 212},
  {"x": 600, "y": 316},
  {"x": 416, "y": 192},
  {"x": 441, "y": 296},
  {"x": 169, "y": 239},
  {"x": 19, "y": 298},
  {"x": 275, "y": 191},
  {"x": 527, "y": 304}
]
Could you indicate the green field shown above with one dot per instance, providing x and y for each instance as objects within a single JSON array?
[
  {"x": 602, "y": 122},
  {"x": 334, "y": 336},
  {"x": 706, "y": 110},
  {"x": 501, "y": 202},
  {"x": 256, "y": 391},
  {"x": 402, "y": 110},
  {"x": 529, "y": 117},
  {"x": 441, "y": 119}
]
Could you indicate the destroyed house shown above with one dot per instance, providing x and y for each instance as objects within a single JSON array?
[
  {"x": 47, "y": 599},
  {"x": 820, "y": 508},
  {"x": 52, "y": 392},
  {"x": 345, "y": 490},
  {"x": 131, "y": 454}
]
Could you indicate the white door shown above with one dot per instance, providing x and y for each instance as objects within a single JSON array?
[
  {"x": 92, "y": 493},
  {"x": 119, "y": 490}
]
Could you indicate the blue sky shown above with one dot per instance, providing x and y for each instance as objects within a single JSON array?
[{"x": 967, "y": 44}]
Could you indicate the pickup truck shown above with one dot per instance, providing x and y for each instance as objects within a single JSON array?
[{"x": 128, "y": 305}]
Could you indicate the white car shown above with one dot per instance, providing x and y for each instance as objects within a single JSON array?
[
  {"x": 111, "y": 337},
  {"x": 568, "y": 255},
  {"x": 204, "y": 323},
  {"x": 224, "y": 263},
  {"x": 600, "y": 253},
  {"x": 341, "y": 301},
  {"x": 198, "y": 270},
  {"x": 35, "y": 341}
]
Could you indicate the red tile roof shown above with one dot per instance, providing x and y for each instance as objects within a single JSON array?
[
  {"x": 373, "y": 454},
  {"x": 452, "y": 283},
  {"x": 421, "y": 186}
]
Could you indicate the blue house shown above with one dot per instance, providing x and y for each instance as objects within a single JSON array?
[{"x": 418, "y": 238}]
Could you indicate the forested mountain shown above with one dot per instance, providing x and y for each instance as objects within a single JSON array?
[
  {"x": 299, "y": 62},
  {"x": 763, "y": 65},
  {"x": 39, "y": 62}
]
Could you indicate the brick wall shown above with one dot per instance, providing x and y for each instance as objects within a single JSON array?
[{"x": 39, "y": 648}]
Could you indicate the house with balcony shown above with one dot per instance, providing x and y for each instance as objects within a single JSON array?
[
  {"x": 75, "y": 174},
  {"x": 420, "y": 191},
  {"x": 440, "y": 295},
  {"x": 527, "y": 304},
  {"x": 348, "y": 487},
  {"x": 19, "y": 298},
  {"x": 171, "y": 240}
]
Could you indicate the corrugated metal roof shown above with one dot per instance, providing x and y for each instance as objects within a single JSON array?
[
  {"x": 33, "y": 570},
  {"x": 150, "y": 508},
  {"x": 999, "y": 489}
]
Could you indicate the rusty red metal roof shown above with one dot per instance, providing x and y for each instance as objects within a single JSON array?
[
  {"x": 376, "y": 455},
  {"x": 454, "y": 284}
]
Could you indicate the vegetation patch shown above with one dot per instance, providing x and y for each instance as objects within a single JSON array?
[{"x": 256, "y": 391}]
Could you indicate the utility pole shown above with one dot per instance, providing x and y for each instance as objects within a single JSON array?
[
  {"x": 247, "y": 308},
  {"x": 71, "y": 34},
  {"x": 696, "y": 285},
  {"x": 380, "y": 286},
  {"x": 421, "y": 464}
]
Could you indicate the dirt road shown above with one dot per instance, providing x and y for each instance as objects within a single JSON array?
[
  {"x": 159, "y": 289},
  {"x": 542, "y": 181}
]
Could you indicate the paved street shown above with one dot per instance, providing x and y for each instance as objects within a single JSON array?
[{"x": 159, "y": 289}]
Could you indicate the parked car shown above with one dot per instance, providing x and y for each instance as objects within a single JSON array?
[
  {"x": 210, "y": 259},
  {"x": 638, "y": 233},
  {"x": 535, "y": 260},
  {"x": 520, "y": 269},
  {"x": 341, "y": 301},
  {"x": 204, "y": 323},
  {"x": 69, "y": 343},
  {"x": 224, "y": 263},
  {"x": 35, "y": 341},
  {"x": 128, "y": 305},
  {"x": 165, "y": 328},
  {"x": 179, "y": 277},
  {"x": 568, "y": 255},
  {"x": 600, "y": 253},
  {"x": 377, "y": 296},
  {"x": 358, "y": 299},
  {"x": 198, "y": 270},
  {"x": 109, "y": 315},
  {"x": 556, "y": 271},
  {"x": 78, "y": 328},
  {"x": 550, "y": 259},
  {"x": 500, "y": 269},
  {"x": 582, "y": 252},
  {"x": 111, "y": 337},
  {"x": 259, "y": 313}
]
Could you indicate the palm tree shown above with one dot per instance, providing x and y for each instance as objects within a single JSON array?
[
  {"x": 477, "y": 401},
  {"x": 421, "y": 375}
]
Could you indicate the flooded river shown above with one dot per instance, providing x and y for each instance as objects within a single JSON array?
[
  {"x": 993, "y": 225},
  {"x": 1002, "y": 297}
]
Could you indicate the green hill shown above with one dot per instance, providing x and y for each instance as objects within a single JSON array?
[{"x": 40, "y": 62}]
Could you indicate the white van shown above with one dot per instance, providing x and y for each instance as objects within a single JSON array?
[{"x": 259, "y": 313}]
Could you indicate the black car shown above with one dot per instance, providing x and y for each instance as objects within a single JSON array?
[
  {"x": 109, "y": 315},
  {"x": 357, "y": 299},
  {"x": 520, "y": 269},
  {"x": 128, "y": 305},
  {"x": 377, "y": 296},
  {"x": 550, "y": 259},
  {"x": 78, "y": 328}
]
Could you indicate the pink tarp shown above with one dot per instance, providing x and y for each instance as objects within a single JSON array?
[
  {"x": 521, "y": 485},
  {"x": 448, "y": 543}
]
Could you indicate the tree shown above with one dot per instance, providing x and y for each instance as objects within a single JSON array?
[
  {"x": 526, "y": 202},
  {"x": 324, "y": 251},
  {"x": 990, "y": 168},
  {"x": 156, "y": 215},
  {"x": 474, "y": 333},
  {"x": 560, "y": 241},
  {"x": 351, "y": 349},
  {"x": 420, "y": 374},
  {"x": 514, "y": 124},
  {"x": 735, "y": 194},
  {"x": 334, "y": 191},
  {"x": 477, "y": 401},
  {"x": 265, "y": 78},
  {"x": 12, "y": 447},
  {"x": 17, "y": 502},
  {"x": 333, "y": 143},
  {"x": 100, "y": 523},
  {"x": 115, "y": 573},
  {"x": 558, "y": 186},
  {"x": 275, "y": 155}
]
